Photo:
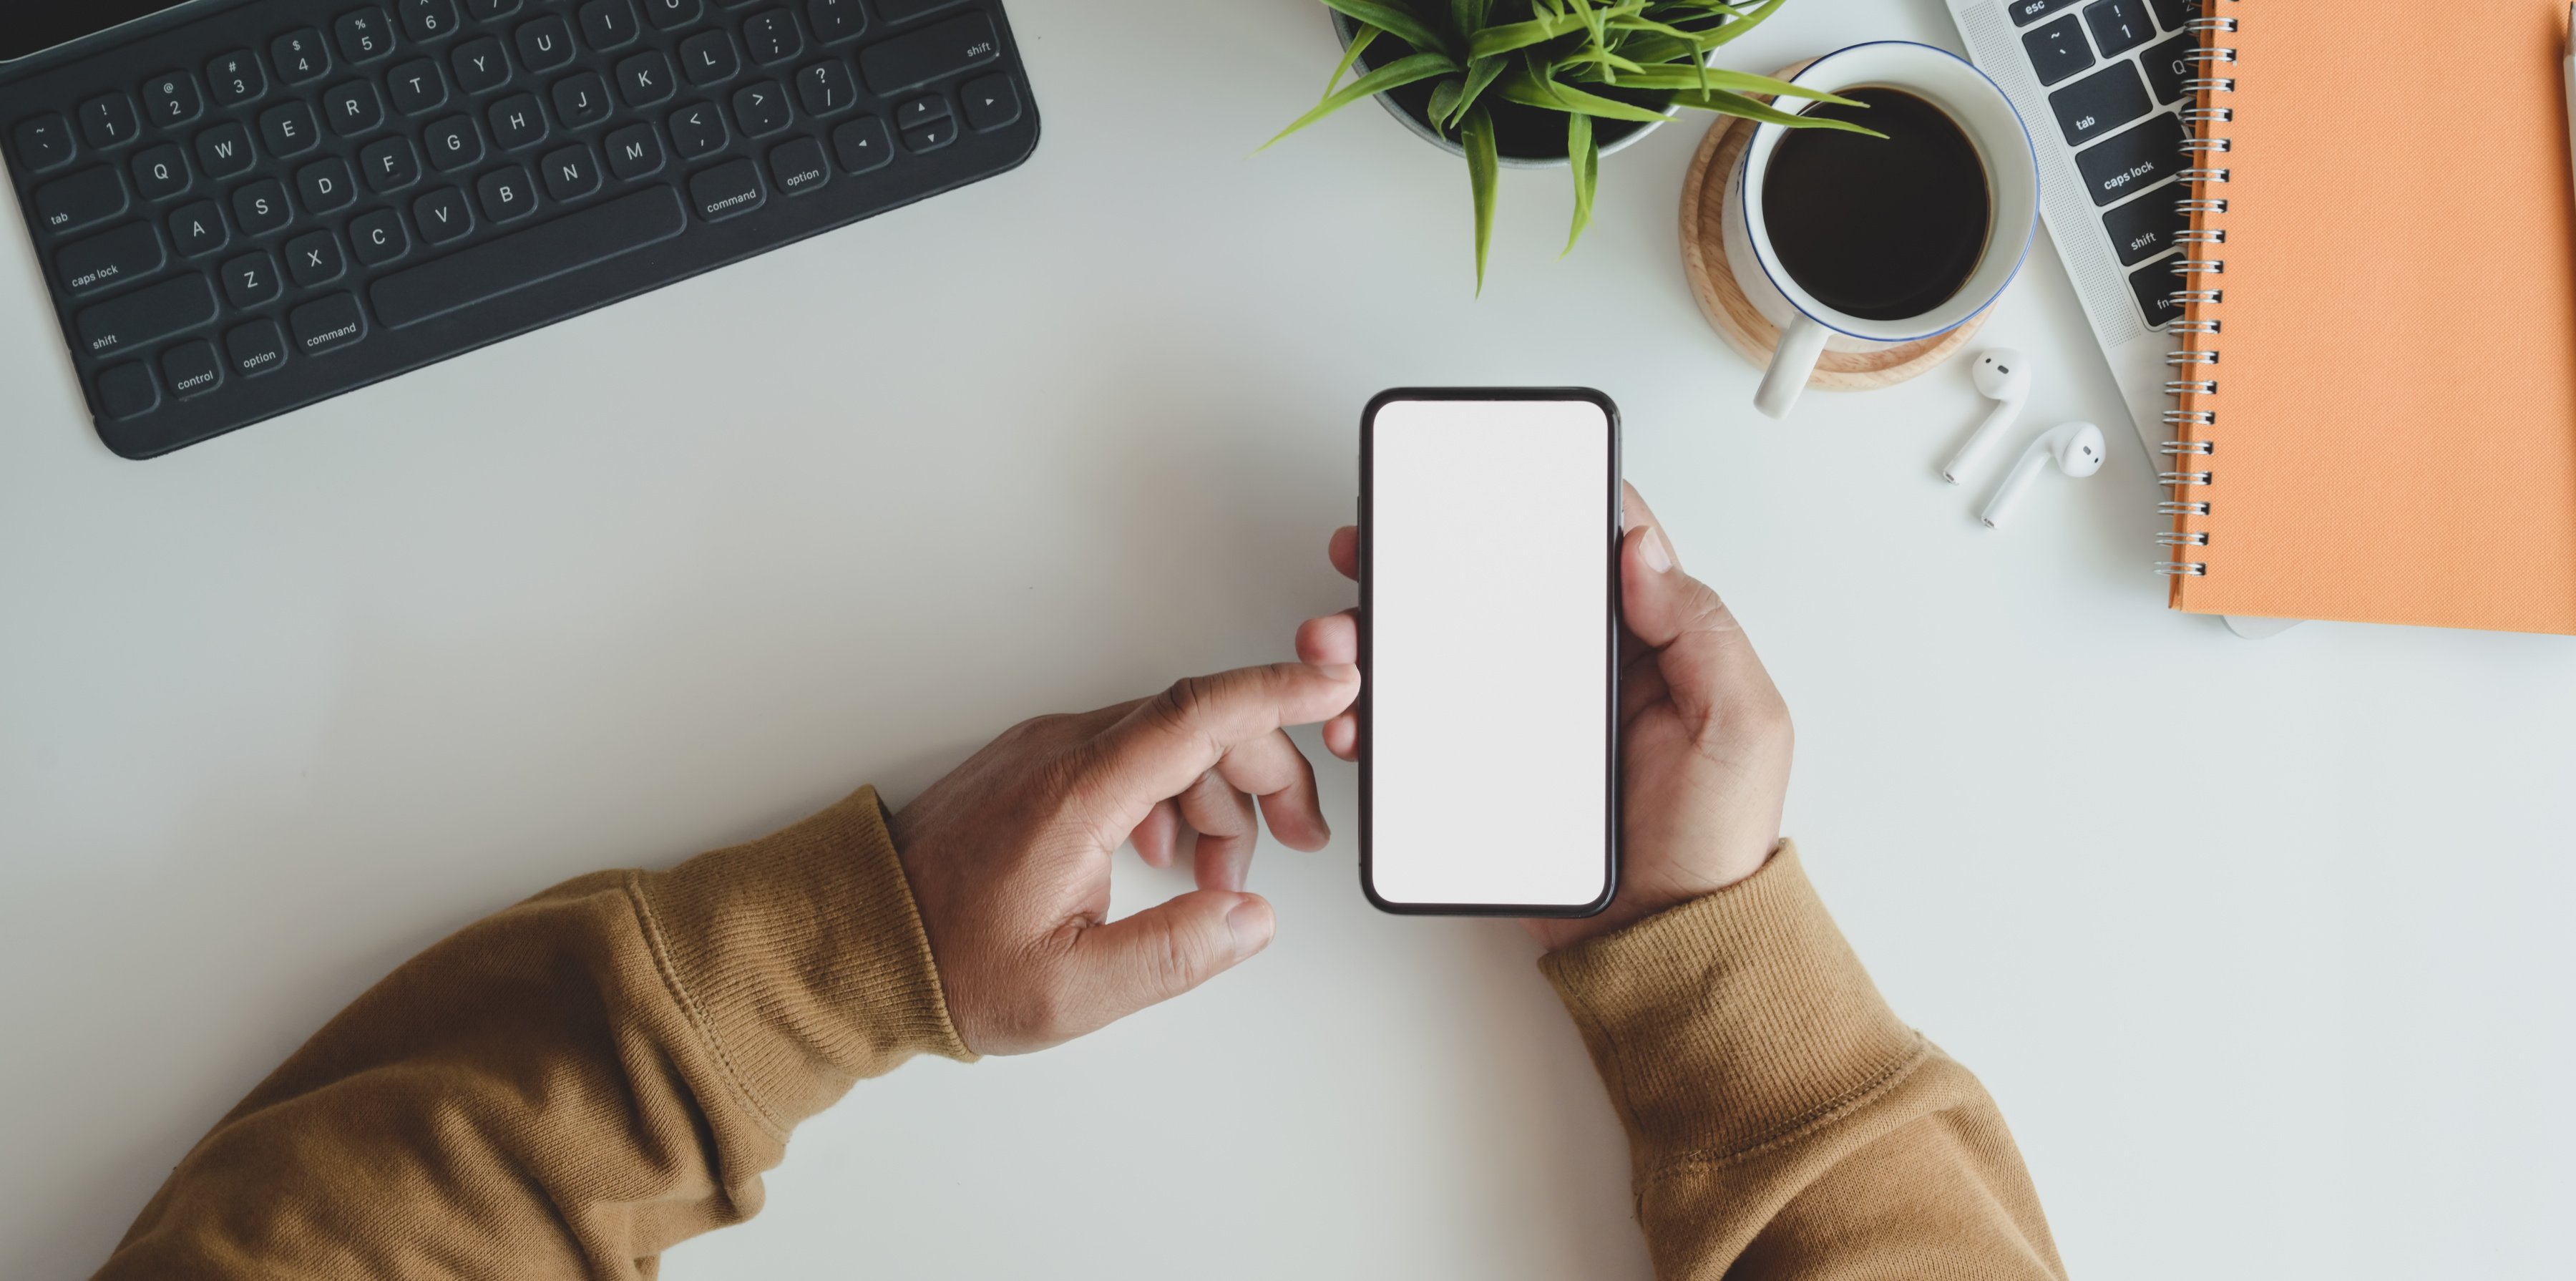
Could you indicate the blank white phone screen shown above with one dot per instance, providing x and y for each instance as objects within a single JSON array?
[{"x": 1490, "y": 527}]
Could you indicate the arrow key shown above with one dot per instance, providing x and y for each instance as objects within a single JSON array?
[{"x": 991, "y": 103}]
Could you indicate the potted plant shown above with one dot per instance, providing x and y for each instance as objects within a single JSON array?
[{"x": 1547, "y": 82}]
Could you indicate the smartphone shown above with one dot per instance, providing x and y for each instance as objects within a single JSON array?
[{"x": 1489, "y": 644}]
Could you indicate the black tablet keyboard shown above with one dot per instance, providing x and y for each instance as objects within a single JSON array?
[{"x": 287, "y": 199}]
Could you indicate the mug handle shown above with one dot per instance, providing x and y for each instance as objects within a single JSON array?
[{"x": 1793, "y": 362}]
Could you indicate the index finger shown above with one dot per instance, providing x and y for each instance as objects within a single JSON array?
[
  {"x": 1166, "y": 742},
  {"x": 1344, "y": 551}
]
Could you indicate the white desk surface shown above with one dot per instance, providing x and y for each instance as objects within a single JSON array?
[{"x": 2262, "y": 945}]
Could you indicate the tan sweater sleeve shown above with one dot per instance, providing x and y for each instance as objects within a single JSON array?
[
  {"x": 1783, "y": 1122},
  {"x": 567, "y": 1088}
]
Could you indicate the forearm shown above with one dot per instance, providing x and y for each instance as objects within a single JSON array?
[
  {"x": 568, "y": 1087},
  {"x": 1784, "y": 1122}
]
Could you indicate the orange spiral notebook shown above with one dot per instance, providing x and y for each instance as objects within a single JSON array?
[{"x": 2376, "y": 418}]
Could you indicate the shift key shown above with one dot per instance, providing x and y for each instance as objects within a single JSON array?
[
  {"x": 143, "y": 318},
  {"x": 933, "y": 53}
]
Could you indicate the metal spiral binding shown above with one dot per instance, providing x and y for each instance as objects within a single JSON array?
[{"x": 2191, "y": 289}]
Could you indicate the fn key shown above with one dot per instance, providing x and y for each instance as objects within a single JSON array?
[{"x": 727, "y": 190}]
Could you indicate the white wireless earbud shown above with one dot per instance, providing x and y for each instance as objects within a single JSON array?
[
  {"x": 2002, "y": 375},
  {"x": 2076, "y": 448}
]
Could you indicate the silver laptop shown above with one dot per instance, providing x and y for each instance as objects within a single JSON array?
[{"x": 2100, "y": 84}]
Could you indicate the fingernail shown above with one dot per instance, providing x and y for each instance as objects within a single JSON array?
[
  {"x": 1252, "y": 925},
  {"x": 1659, "y": 555}
]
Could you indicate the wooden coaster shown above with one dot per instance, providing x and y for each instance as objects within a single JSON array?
[{"x": 1733, "y": 315}]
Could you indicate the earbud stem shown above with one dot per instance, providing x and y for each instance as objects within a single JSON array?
[
  {"x": 2023, "y": 474},
  {"x": 1982, "y": 440}
]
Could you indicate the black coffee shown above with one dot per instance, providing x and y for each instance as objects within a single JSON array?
[{"x": 1879, "y": 228}]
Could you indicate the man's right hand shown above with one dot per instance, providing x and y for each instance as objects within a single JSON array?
[
  {"x": 1009, "y": 855},
  {"x": 1704, "y": 741}
]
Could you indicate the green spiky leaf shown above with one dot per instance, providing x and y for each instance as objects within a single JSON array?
[
  {"x": 1396, "y": 22},
  {"x": 1585, "y": 160},
  {"x": 1394, "y": 75},
  {"x": 1483, "y": 174}
]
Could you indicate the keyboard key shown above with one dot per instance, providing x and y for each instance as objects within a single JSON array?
[
  {"x": 863, "y": 144},
  {"x": 453, "y": 144},
  {"x": 542, "y": 252},
  {"x": 289, "y": 129},
  {"x": 2118, "y": 25},
  {"x": 481, "y": 65},
  {"x": 634, "y": 152},
  {"x": 697, "y": 130},
  {"x": 906, "y": 10},
  {"x": 2168, "y": 65},
  {"x": 327, "y": 323},
  {"x": 933, "y": 53},
  {"x": 172, "y": 99},
  {"x": 671, "y": 15},
  {"x": 365, "y": 34},
  {"x": 2026, "y": 12},
  {"x": 255, "y": 348},
  {"x": 507, "y": 194},
  {"x": 146, "y": 316},
  {"x": 192, "y": 369},
  {"x": 2057, "y": 51},
  {"x": 2144, "y": 227},
  {"x": 2130, "y": 161},
  {"x": 581, "y": 100},
  {"x": 826, "y": 89},
  {"x": 108, "y": 120},
  {"x": 762, "y": 108},
  {"x": 90, "y": 196},
  {"x": 772, "y": 37},
  {"x": 261, "y": 207},
  {"x": 160, "y": 171},
  {"x": 429, "y": 20},
  {"x": 128, "y": 391},
  {"x": 200, "y": 230},
  {"x": 930, "y": 137},
  {"x": 417, "y": 86},
  {"x": 570, "y": 172},
  {"x": 609, "y": 25},
  {"x": 251, "y": 281},
  {"x": 225, "y": 151},
  {"x": 353, "y": 108},
  {"x": 917, "y": 112},
  {"x": 377, "y": 238},
  {"x": 836, "y": 20},
  {"x": 2153, "y": 286},
  {"x": 517, "y": 121},
  {"x": 545, "y": 43},
  {"x": 798, "y": 167},
  {"x": 2099, "y": 103},
  {"x": 314, "y": 259},
  {"x": 389, "y": 165},
  {"x": 326, "y": 186},
  {"x": 300, "y": 57},
  {"x": 487, "y": 10},
  {"x": 236, "y": 78},
  {"x": 645, "y": 79},
  {"x": 708, "y": 58},
  {"x": 442, "y": 216},
  {"x": 992, "y": 102},
  {"x": 118, "y": 257},
  {"x": 2171, "y": 14},
  {"x": 44, "y": 142},
  {"x": 727, "y": 191}
]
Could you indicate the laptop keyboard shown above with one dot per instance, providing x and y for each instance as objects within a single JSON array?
[
  {"x": 294, "y": 198},
  {"x": 2114, "y": 72}
]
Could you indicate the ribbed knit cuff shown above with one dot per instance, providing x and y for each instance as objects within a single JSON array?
[
  {"x": 1732, "y": 1021},
  {"x": 801, "y": 959}
]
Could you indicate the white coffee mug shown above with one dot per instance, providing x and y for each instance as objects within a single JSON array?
[{"x": 1807, "y": 326}]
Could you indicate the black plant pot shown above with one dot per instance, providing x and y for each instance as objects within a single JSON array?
[{"x": 1524, "y": 137}]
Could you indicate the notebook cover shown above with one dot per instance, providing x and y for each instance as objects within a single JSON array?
[{"x": 2395, "y": 414}]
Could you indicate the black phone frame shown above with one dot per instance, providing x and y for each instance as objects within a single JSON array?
[{"x": 1611, "y": 623}]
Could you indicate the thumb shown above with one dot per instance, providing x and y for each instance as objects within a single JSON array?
[
  {"x": 1163, "y": 951},
  {"x": 1705, "y": 658}
]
